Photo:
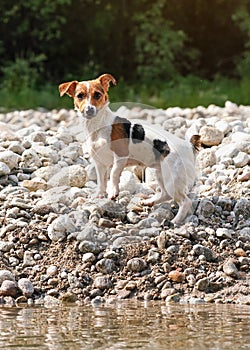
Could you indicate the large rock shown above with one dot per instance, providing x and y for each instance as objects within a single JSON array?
[
  {"x": 210, "y": 136},
  {"x": 74, "y": 175}
]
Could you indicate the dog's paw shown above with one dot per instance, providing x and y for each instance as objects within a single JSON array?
[
  {"x": 113, "y": 194},
  {"x": 99, "y": 194}
]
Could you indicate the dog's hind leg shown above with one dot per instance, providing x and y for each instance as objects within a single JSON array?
[
  {"x": 159, "y": 197},
  {"x": 185, "y": 209}
]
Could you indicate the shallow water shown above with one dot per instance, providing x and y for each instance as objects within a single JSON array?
[{"x": 127, "y": 325}]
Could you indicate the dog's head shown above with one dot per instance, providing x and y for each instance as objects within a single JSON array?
[{"x": 89, "y": 96}]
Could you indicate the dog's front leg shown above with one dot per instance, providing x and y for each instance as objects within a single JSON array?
[
  {"x": 101, "y": 173},
  {"x": 118, "y": 166}
]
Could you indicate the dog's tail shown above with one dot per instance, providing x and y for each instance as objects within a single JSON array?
[
  {"x": 192, "y": 136},
  {"x": 196, "y": 142}
]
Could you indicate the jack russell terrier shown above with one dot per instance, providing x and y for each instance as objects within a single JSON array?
[{"x": 116, "y": 142}]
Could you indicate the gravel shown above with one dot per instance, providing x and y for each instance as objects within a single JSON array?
[{"x": 60, "y": 244}]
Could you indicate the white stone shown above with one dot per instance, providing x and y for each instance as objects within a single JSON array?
[
  {"x": 227, "y": 151},
  {"x": 6, "y": 246},
  {"x": 30, "y": 159},
  {"x": 6, "y": 132},
  {"x": 88, "y": 258},
  {"x": 91, "y": 172},
  {"x": 210, "y": 136},
  {"x": 46, "y": 152},
  {"x": 223, "y": 232},
  {"x": 206, "y": 158},
  {"x": 241, "y": 159},
  {"x": 128, "y": 182},
  {"x": 46, "y": 172},
  {"x": 54, "y": 196},
  {"x": 240, "y": 136},
  {"x": 37, "y": 136},
  {"x": 16, "y": 147},
  {"x": 223, "y": 126},
  {"x": 74, "y": 175},
  {"x": 10, "y": 158},
  {"x": 26, "y": 287},
  {"x": 6, "y": 275},
  {"x": 60, "y": 227},
  {"x": 4, "y": 169}
]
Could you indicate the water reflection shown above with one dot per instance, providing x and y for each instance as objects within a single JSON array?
[{"x": 127, "y": 325}]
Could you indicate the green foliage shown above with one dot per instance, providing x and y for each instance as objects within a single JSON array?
[
  {"x": 29, "y": 30},
  {"x": 156, "y": 44},
  {"x": 242, "y": 18},
  {"x": 22, "y": 73}
]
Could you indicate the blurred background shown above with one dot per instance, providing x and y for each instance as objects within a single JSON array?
[{"x": 163, "y": 52}]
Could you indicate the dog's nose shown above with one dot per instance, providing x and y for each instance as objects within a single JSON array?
[{"x": 90, "y": 111}]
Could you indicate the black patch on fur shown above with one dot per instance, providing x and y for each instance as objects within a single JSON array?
[
  {"x": 125, "y": 124},
  {"x": 160, "y": 149},
  {"x": 138, "y": 133}
]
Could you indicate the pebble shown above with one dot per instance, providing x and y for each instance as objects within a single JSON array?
[
  {"x": 102, "y": 282},
  {"x": 206, "y": 158},
  {"x": 176, "y": 276},
  {"x": 8, "y": 288},
  {"x": 199, "y": 250},
  {"x": 10, "y": 159},
  {"x": 202, "y": 284},
  {"x": 60, "y": 227},
  {"x": 223, "y": 233},
  {"x": 136, "y": 265},
  {"x": 52, "y": 270},
  {"x": 206, "y": 208},
  {"x": 88, "y": 257},
  {"x": 230, "y": 269},
  {"x": 26, "y": 287},
  {"x": 4, "y": 169},
  {"x": 6, "y": 275},
  {"x": 106, "y": 266}
]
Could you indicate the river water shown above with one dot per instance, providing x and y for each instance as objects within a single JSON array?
[{"x": 126, "y": 325}]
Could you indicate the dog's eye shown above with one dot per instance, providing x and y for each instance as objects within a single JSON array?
[
  {"x": 97, "y": 95},
  {"x": 80, "y": 96}
]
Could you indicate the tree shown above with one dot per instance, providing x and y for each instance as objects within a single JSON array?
[
  {"x": 30, "y": 29},
  {"x": 156, "y": 44}
]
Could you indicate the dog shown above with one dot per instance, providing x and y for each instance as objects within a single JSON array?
[{"x": 116, "y": 143}]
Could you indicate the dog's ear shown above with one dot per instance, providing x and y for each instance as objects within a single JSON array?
[
  {"x": 105, "y": 80},
  {"x": 68, "y": 88}
]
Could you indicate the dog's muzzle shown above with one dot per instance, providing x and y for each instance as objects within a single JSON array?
[{"x": 89, "y": 111}]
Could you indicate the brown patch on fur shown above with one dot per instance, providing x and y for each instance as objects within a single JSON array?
[
  {"x": 120, "y": 137},
  {"x": 196, "y": 142}
]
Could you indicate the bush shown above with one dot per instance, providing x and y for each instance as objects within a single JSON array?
[{"x": 22, "y": 73}]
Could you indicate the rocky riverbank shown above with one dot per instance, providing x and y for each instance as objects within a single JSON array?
[{"x": 58, "y": 244}]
